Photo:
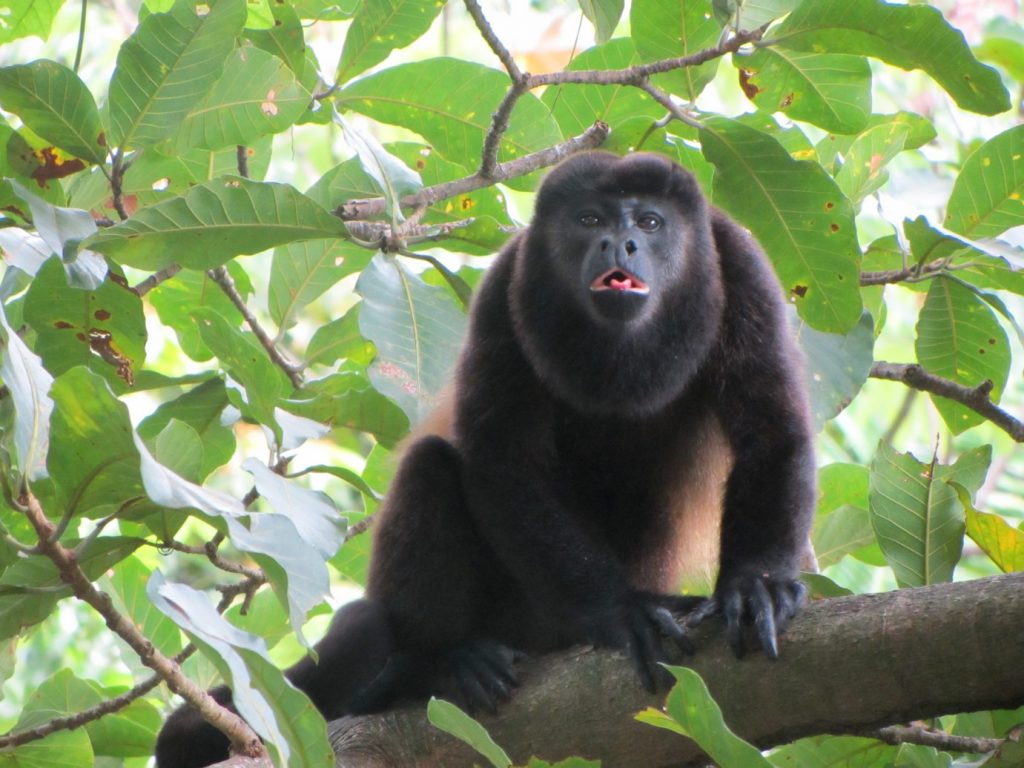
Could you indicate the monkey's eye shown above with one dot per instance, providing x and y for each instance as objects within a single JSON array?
[
  {"x": 649, "y": 222},
  {"x": 589, "y": 219}
]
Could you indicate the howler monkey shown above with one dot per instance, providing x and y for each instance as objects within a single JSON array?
[{"x": 628, "y": 373}]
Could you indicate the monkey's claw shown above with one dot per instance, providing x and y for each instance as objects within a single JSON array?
[{"x": 766, "y": 603}]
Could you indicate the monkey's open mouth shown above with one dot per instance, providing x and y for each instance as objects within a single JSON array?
[{"x": 619, "y": 280}]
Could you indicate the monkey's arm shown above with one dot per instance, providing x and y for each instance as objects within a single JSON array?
[{"x": 770, "y": 494}]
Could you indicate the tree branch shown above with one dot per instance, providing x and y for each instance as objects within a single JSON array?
[
  {"x": 591, "y": 138},
  {"x": 977, "y": 398},
  {"x": 848, "y": 664},
  {"x": 243, "y": 739}
]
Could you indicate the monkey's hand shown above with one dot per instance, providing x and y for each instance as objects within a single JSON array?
[
  {"x": 769, "y": 603},
  {"x": 637, "y": 625}
]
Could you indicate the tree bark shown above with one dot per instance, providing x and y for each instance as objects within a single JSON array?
[{"x": 847, "y": 664}]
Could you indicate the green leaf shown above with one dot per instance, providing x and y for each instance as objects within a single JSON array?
[
  {"x": 1003, "y": 45},
  {"x": 128, "y": 588},
  {"x": 179, "y": 448},
  {"x": 757, "y": 13},
  {"x": 392, "y": 178},
  {"x": 381, "y": 26},
  {"x": 213, "y": 222},
  {"x": 166, "y": 66},
  {"x": 832, "y": 91},
  {"x": 104, "y": 330},
  {"x": 417, "y": 331},
  {"x": 301, "y": 272},
  {"x": 959, "y": 338},
  {"x": 834, "y": 752},
  {"x": 454, "y": 120},
  {"x": 920, "y": 131},
  {"x": 245, "y": 359},
  {"x": 836, "y": 366},
  {"x": 698, "y": 716},
  {"x": 604, "y": 15},
  {"x": 906, "y": 36},
  {"x": 292, "y": 728},
  {"x": 916, "y": 515},
  {"x": 62, "y": 230},
  {"x": 576, "y": 107},
  {"x": 92, "y": 454},
  {"x": 285, "y": 39},
  {"x": 28, "y": 384},
  {"x": 798, "y": 214},
  {"x": 56, "y": 105},
  {"x": 450, "y": 719},
  {"x": 201, "y": 408},
  {"x": 340, "y": 339},
  {"x": 31, "y": 587},
  {"x": 863, "y": 169},
  {"x": 256, "y": 95},
  {"x": 841, "y": 524},
  {"x": 987, "y": 195},
  {"x": 666, "y": 29},
  {"x": 997, "y": 538},
  {"x": 348, "y": 400},
  {"x": 28, "y": 17}
]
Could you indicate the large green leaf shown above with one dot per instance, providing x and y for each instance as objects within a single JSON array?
[
  {"x": 916, "y": 514},
  {"x": 830, "y": 90},
  {"x": 381, "y": 26},
  {"x": 104, "y": 330},
  {"x": 988, "y": 194},
  {"x": 285, "y": 39},
  {"x": 417, "y": 331},
  {"x": 213, "y": 222},
  {"x": 919, "y": 132},
  {"x": 293, "y": 729},
  {"x": 256, "y": 95},
  {"x": 576, "y": 107},
  {"x": 52, "y": 101},
  {"x": 959, "y": 338},
  {"x": 28, "y": 17},
  {"x": 92, "y": 453},
  {"x": 666, "y": 29},
  {"x": 454, "y": 119},
  {"x": 690, "y": 711},
  {"x": 841, "y": 523},
  {"x": 340, "y": 339},
  {"x": 906, "y": 36},
  {"x": 166, "y": 66},
  {"x": 800, "y": 217}
]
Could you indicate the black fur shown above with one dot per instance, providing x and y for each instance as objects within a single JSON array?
[{"x": 548, "y": 515}]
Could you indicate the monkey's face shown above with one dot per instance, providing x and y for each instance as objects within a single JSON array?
[{"x": 626, "y": 251}]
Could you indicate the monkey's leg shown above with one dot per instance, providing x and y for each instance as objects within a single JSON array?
[{"x": 434, "y": 574}]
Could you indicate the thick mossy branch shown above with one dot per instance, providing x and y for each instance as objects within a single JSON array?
[{"x": 848, "y": 664}]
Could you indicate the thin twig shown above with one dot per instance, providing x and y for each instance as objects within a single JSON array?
[
  {"x": 221, "y": 276},
  {"x": 928, "y": 737},
  {"x": 978, "y": 398},
  {"x": 666, "y": 101}
]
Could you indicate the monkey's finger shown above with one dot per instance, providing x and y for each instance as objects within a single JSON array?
[
  {"x": 641, "y": 659},
  {"x": 668, "y": 625},
  {"x": 763, "y": 610},
  {"x": 732, "y": 611},
  {"x": 488, "y": 676},
  {"x": 475, "y": 695},
  {"x": 788, "y": 597},
  {"x": 705, "y": 610}
]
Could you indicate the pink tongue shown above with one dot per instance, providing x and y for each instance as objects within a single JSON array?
[{"x": 620, "y": 285}]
